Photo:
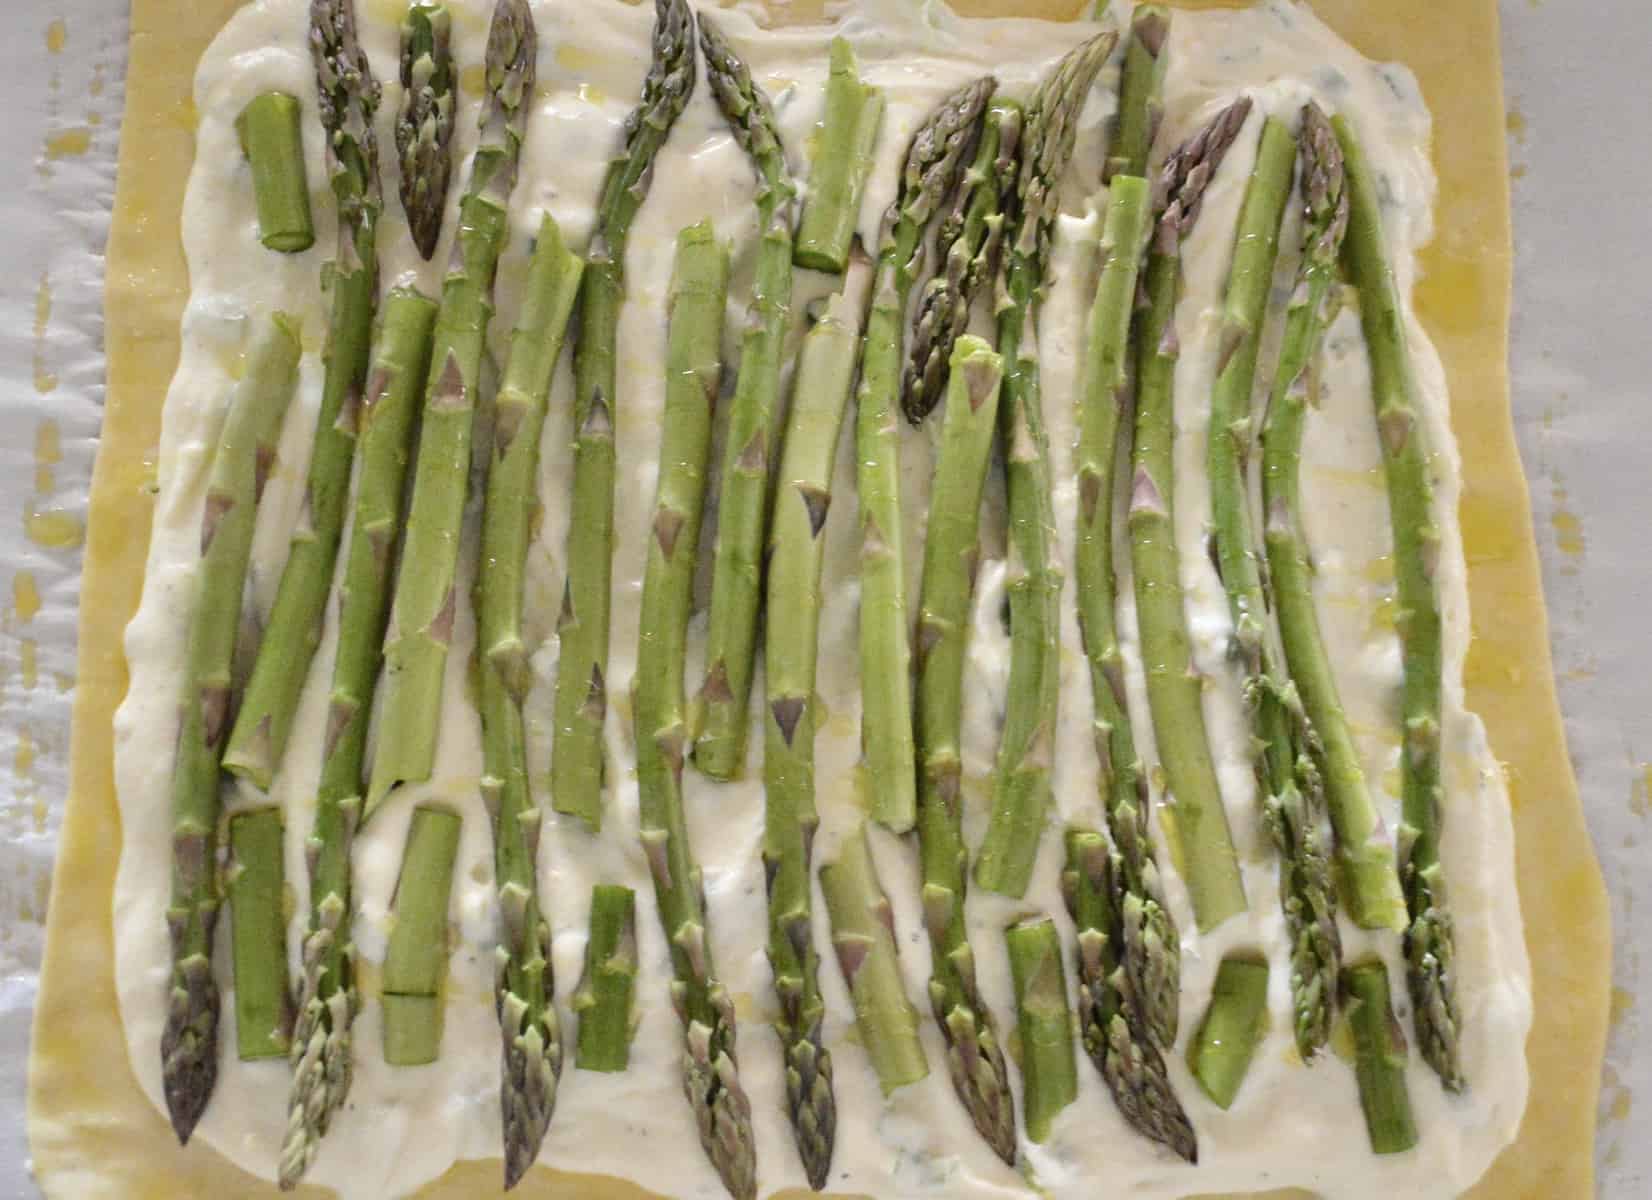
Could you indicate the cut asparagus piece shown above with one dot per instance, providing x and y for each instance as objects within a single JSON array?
[
  {"x": 244, "y": 459},
  {"x": 423, "y": 613},
  {"x": 863, "y": 935},
  {"x": 1021, "y": 780},
  {"x": 722, "y": 708},
  {"x": 581, "y": 704},
  {"x": 1364, "y": 851},
  {"x": 253, "y": 885},
  {"x": 424, "y": 124},
  {"x": 524, "y": 987},
  {"x": 1379, "y": 1058},
  {"x": 1141, "y": 93},
  {"x": 1428, "y": 938},
  {"x": 928, "y": 175},
  {"x": 1220, "y": 1052},
  {"x": 349, "y": 99},
  {"x": 603, "y": 1001},
  {"x": 1198, "y": 821},
  {"x": 839, "y": 165},
  {"x": 415, "y": 961},
  {"x": 711, "y": 1081},
  {"x": 272, "y": 137},
  {"x": 1050, "y": 1078}
]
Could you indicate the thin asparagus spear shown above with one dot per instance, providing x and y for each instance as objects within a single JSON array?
[
  {"x": 421, "y": 618},
  {"x": 1221, "y": 1051},
  {"x": 1049, "y": 1075},
  {"x": 863, "y": 935},
  {"x": 603, "y": 1000},
  {"x": 722, "y": 709},
  {"x": 1021, "y": 781},
  {"x": 711, "y": 1080},
  {"x": 1428, "y": 938},
  {"x": 582, "y": 670},
  {"x": 839, "y": 166},
  {"x": 1141, "y": 93},
  {"x": 424, "y": 125},
  {"x": 1364, "y": 852},
  {"x": 245, "y": 456},
  {"x": 928, "y": 174},
  {"x": 1379, "y": 1058},
  {"x": 253, "y": 885},
  {"x": 349, "y": 99},
  {"x": 272, "y": 137},
  {"x": 415, "y": 961},
  {"x": 1200, "y": 824}
]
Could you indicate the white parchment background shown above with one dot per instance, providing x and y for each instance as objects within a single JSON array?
[{"x": 1581, "y": 354}]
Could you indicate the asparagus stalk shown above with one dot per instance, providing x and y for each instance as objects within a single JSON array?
[
  {"x": 603, "y": 999},
  {"x": 1428, "y": 938},
  {"x": 863, "y": 935},
  {"x": 928, "y": 175},
  {"x": 1287, "y": 780},
  {"x": 1141, "y": 93},
  {"x": 581, "y": 679},
  {"x": 524, "y": 986},
  {"x": 1379, "y": 1058},
  {"x": 1364, "y": 853},
  {"x": 422, "y": 615},
  {"x": 1221, "y": 1051},
  {"x": 245, "y": 456},
  {"x": 327, "y": 999},
  {"x": 1021, "y": 781},
  {"x": 253, "y": 884},
  {"x": 839, "y": 165},
  {"x": 424, "y": 124},
  {"x": 272, "y": 138},
  {"x": 1200, "y": 823},
  {"x": 951, "y": 550},
  {"x": 967, "y": 245},
  {"x": 349, "y": 99},
  {"x": 803, "y": 496},
  {"x": 1113, "y": 1022},
  {"x": 722, "y": 708},
  {"x": 711, "y": 1079},
  {"x": 1049, "y": 1076},
  {"x": 415, "y": 961}
]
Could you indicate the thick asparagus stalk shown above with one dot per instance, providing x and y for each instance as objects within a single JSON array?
[
  {"x": 1141, "y": 93},
  {"x": 1364, "y": 853},
  {"x": 1379, "y": 1058},
  {"x": 1048, "y": 1073},
  {"x": 863, "y": 935},
  {"x": 1428, "y": 938},
  {"x": 928, "y": 175},
  {"x": 422, "y": 616},
  {"x": 349, "y": 99},
  {"x": 415, "y": 960},
  {"x": 839, "y": 166},
  {"x": 424, "y": 124},
  {"x": 1220, "y": 1052},
  {"x": 582, "y": 669},
  {"x": 327, "y": 1000},
  {"x": 1287, "y": 781},
  {"x": 532, "y": 1051},
  {"x": 722, "y": 708},
  {"x": 603, "y": 1000},
  {"x": 245, "y": 456},
  {"x": 253, "y": 885},
  {"x": 967, "y": 245},
  {"x": 711, "y": 1080},
  {"x": 1021, "y": 781},
  {"x": 1198, "y": 820},
  {"x": 272, "y": 137}
]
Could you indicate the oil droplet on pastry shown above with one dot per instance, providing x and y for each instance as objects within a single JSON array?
[
  {"x": 25, "y": 596},
  {"x": 44, "y": 380},
  {"x": 48, "y": 452},
  {"x": 29, "y": 663},
  {"x": 71, "y": 143},
  {"x": 52, "y": 528},
  {"x": 57, "y": 36}
]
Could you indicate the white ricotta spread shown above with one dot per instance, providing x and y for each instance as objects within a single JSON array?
[{"x": 1291, "y": 1124}]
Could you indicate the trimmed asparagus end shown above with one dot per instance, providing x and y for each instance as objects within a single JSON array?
[
  {"x": 272, "y": 138},
  {"x": 1048, "y": 1069},
  {"x": 603, "y": 999},
  {"x": 1221, "y": 1051},
  {"x": 254, "y": 885},
  {"x": 415, "y": 962},
  {"x": 839, "y": 166},
  {"x": 1380, "y": 1055}
]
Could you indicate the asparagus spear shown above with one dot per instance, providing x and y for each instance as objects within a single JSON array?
[
  {"x": 603, "y": 999},
  {"x": 1173, "y": 689},
  {"x": 1221, "y": 1051},
  {"x": 532, "y": 1049},
  {"x": 253, "y": 885},
  {"x": 863, "y": 935},
  {"x": 1379, "y": 1058},
  {"x": 1286, "y": 779},
  {"x": 1049, "y": 1076},
  {"x": 415, "y": 960},
  {"x": 722, "y": 708},
  {"x": 1428, "y": 938},
  {"x": 1021, "y": 781},
  {"x": 327, "y": 1000},
  {"x": 839, "y": 165},
  {"x": 928, "y": 174},
  {"x": 246, "y": 453},
  {"x": 967, "y": 245},
  {"x": 349, "y": 100},
  {"x": 422, "y": 615},
  {"x": 711, "y": 1079},
  {"x": 1141, "y": 93},
  {"x": 424, "y": 124},
  {"x": 803, "y": 496},
  {"x": 1364, "y": 854},
  {"x": 272, "y": 138},
  {"x": 974, "y": 1055},
  {"x": 582, "y": 669}
]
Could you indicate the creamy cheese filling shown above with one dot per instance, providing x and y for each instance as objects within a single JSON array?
[{"x": 1291, "y": 1124}]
